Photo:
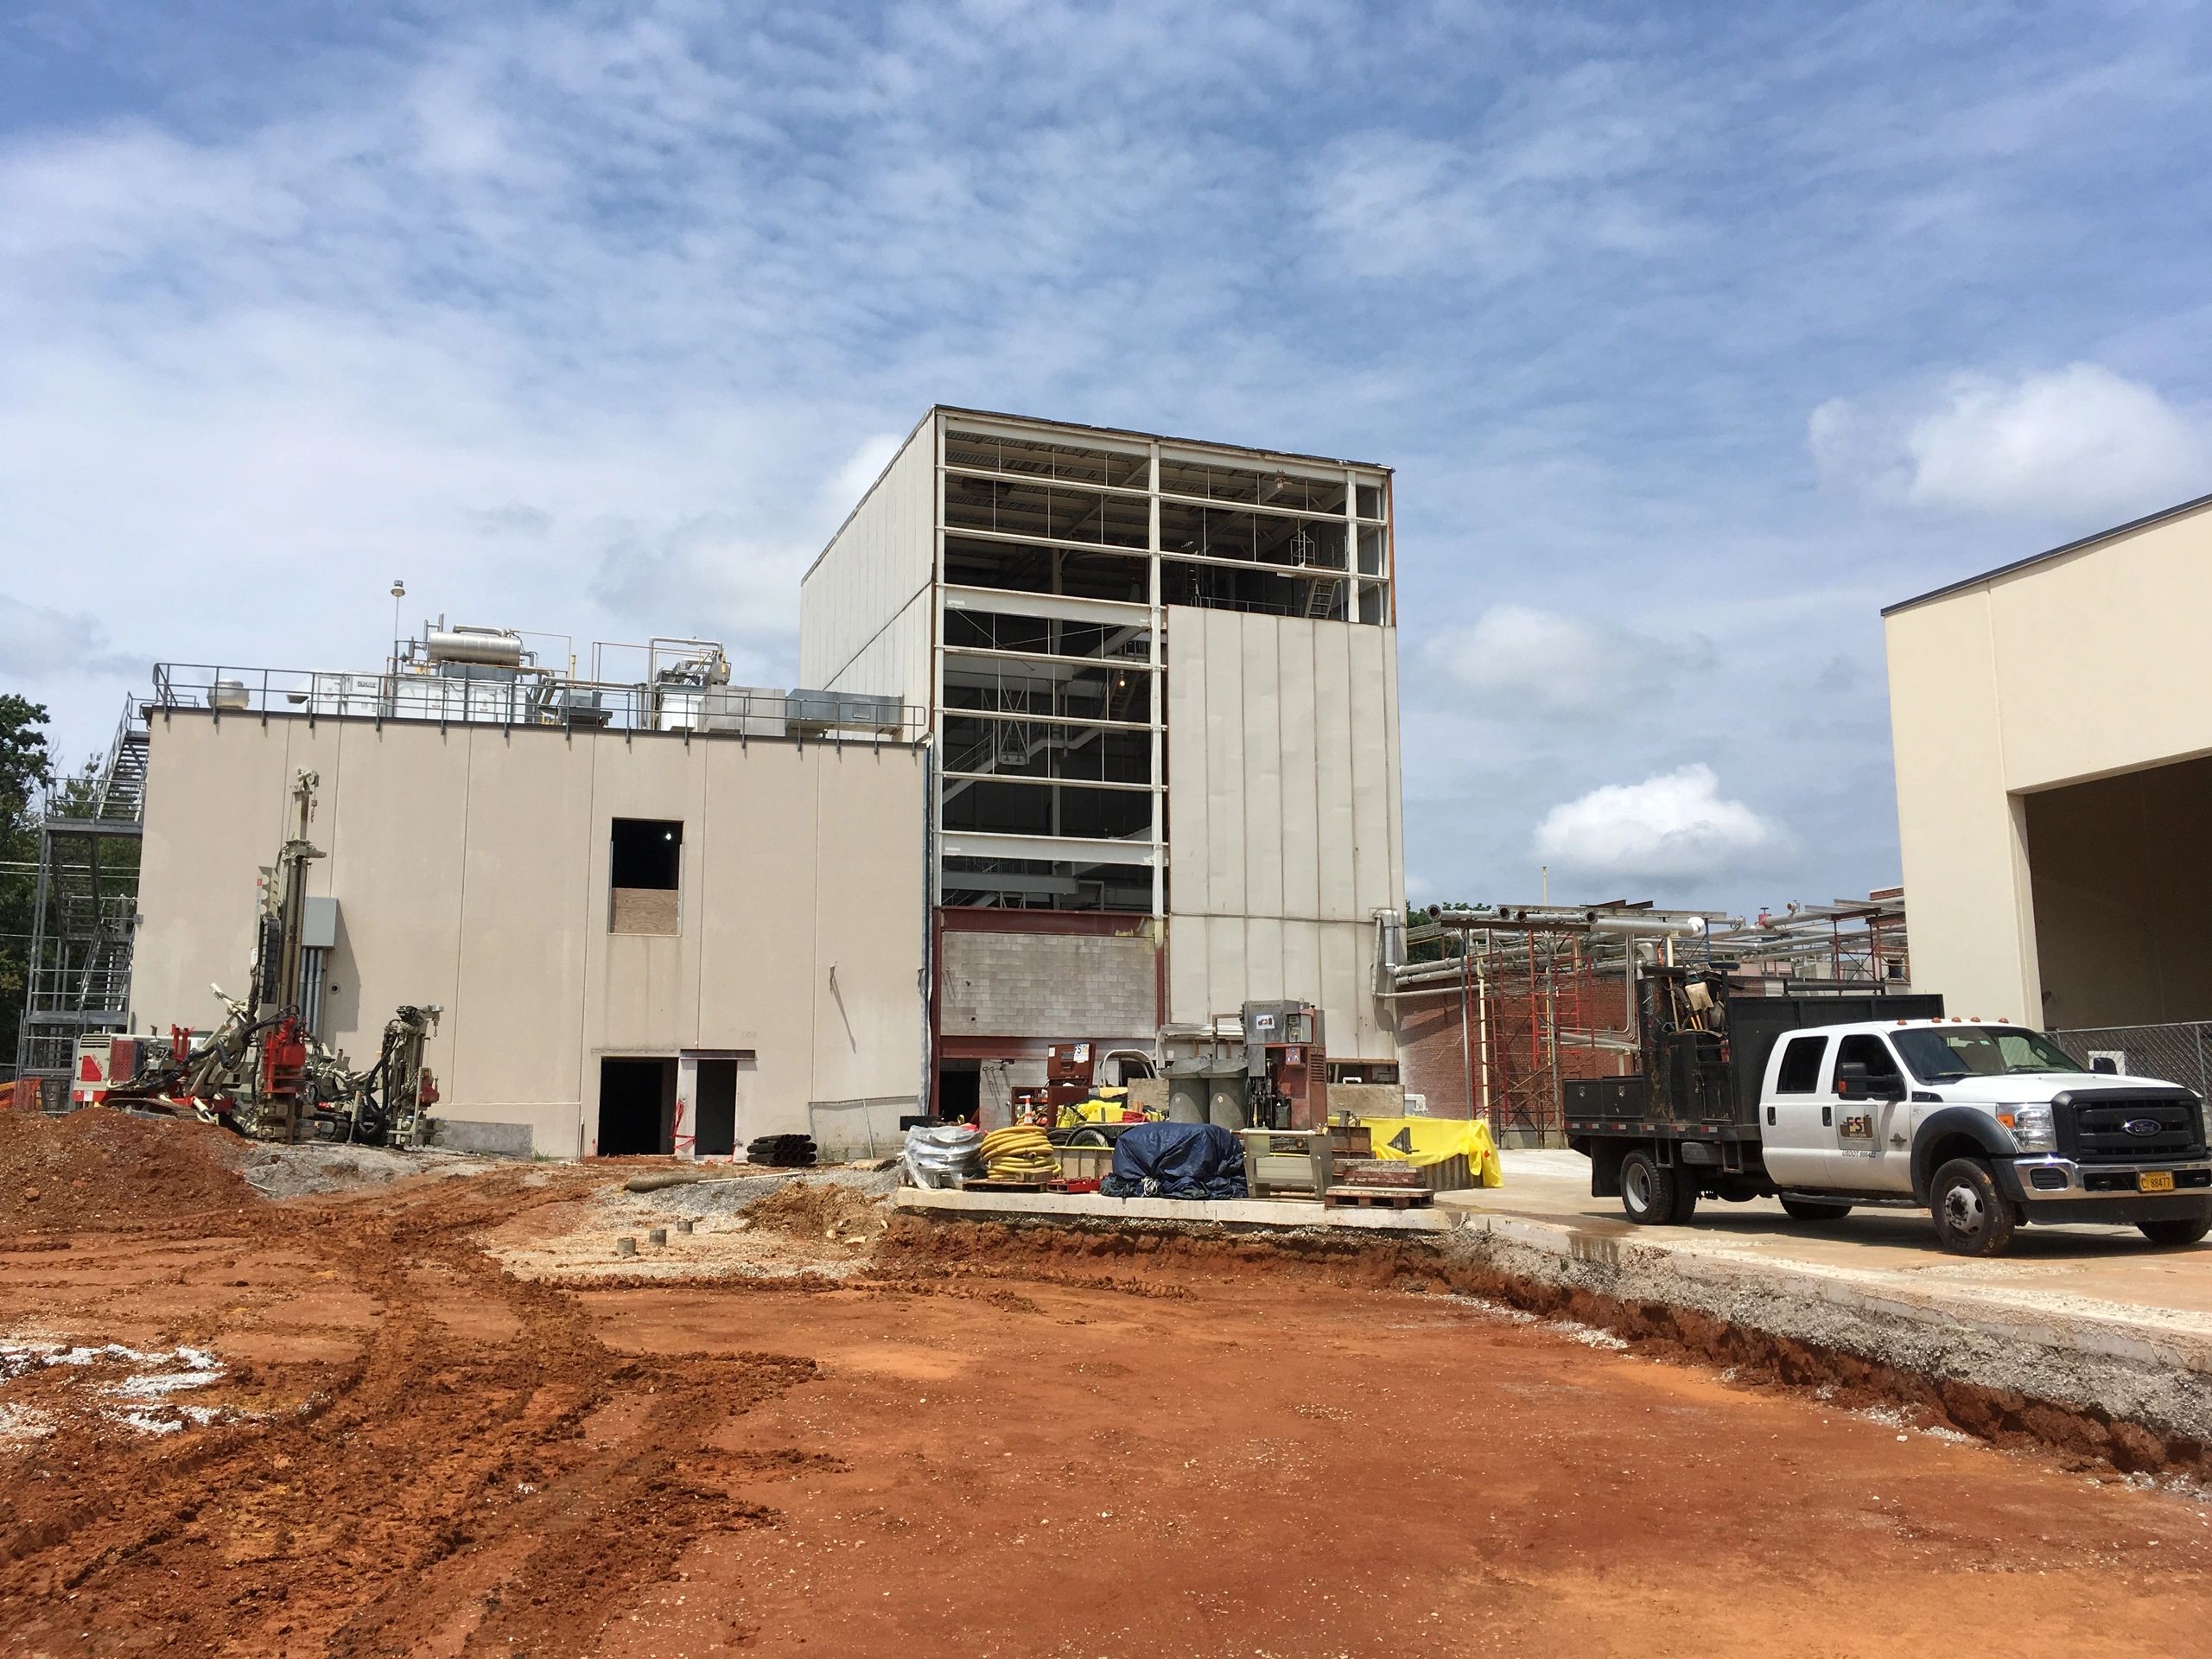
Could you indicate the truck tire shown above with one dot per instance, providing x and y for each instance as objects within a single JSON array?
[
  {"x": 1647, "y": 1190},
  {"x": 1814, "y": 1210},
  {"x": 1972, "y": 1217},
  {"x": 2173, "y": 1234},
  {"x": 1685, "y": 1198}
]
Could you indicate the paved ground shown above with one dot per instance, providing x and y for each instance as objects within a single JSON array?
[{"x": 2058, "y": 1268}]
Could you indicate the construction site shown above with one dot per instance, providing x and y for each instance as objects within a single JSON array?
[{"x": 530, "y": 1148}]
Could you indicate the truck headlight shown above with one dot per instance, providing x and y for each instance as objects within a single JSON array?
[{"x": 2030, "y": 1125}]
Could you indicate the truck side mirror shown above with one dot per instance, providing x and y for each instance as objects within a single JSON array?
[
  {"x": 1854, "y": 1081},
  {"x": 2107, "y": 1065}
]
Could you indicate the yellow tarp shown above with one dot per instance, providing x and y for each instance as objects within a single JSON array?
[{"x": 1424, "y": 1141}]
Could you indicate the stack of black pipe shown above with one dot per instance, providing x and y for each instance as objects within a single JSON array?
[{"x": 782, "y": 1151}]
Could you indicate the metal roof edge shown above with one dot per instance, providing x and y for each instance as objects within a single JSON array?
[
  {"x": 2133, "y": 526},
  {"x": 1161, "y": 437}
]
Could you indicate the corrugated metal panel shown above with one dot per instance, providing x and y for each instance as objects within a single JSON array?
[
  {"x": 883, "y": 555},
  {"x": 1262, "y": 755},
  {"x": 1301, "y": 857},
  {"x": 1263, "y": 964},
  {"x": 1222, "y": 665},
  {"x": 1397, "y": 795},
  {"x": 1373, "y": 856},
  {"x": 1227, "y": 969},
  {"x": 1332, "y": 742},
  {"x": 1187, "y": 805}
]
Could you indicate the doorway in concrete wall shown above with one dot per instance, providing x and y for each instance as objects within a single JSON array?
[
  {"x": 958, "y": 1090},
  {"x": 637, "y": 1108},
  {"x": 716, "y": 1134}
]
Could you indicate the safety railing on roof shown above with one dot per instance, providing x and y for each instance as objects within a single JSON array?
[{"x": 477, "y": 695}]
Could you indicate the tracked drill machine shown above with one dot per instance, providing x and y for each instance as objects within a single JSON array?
[{"x": 262, "y": 1069}]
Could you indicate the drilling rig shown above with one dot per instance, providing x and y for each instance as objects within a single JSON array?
[{"x": 262, "y": 1072}]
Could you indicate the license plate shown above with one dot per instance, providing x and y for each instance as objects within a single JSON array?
[{"x": 2155, "y": 1181}]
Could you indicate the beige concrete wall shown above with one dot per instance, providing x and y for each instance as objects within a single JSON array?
[
  {"x": 1284, "y": 829},
  {"x": 2084, "y": 666},
  {"x": 471, "y": 870}
]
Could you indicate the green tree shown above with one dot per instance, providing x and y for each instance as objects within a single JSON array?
[{"x": 26, "y": 765}]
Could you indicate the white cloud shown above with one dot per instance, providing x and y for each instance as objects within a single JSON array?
[
  {"x": 39, "y": 642},
  {"x": 2077, "y": 443},
  {"x": 1673, "y": 825},
  {"x": 1520, "y": 660}
]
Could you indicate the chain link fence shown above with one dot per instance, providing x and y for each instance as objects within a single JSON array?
[{"x": 2177, "y": 1054}]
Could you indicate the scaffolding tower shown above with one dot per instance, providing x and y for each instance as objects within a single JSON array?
[{"x": 84, "y": 912}]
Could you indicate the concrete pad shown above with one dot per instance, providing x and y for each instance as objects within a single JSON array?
[{"x": 1285, "y": 1213}]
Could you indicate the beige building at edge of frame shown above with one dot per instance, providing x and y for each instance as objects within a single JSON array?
[
  {"x": 2052, "y": 724},
  {"x": 1161, "y": 680}
]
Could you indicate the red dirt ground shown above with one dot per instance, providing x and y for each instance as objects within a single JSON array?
[{"x": 985, "y": 1449}]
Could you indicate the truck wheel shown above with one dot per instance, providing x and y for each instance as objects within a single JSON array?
[
  {"x": 1647, "y": 1190},
  {"x": 2173, "y": 1234},
  {"x": 1972, "y": 1218},
  {"x": 1813, "y": 1210}
]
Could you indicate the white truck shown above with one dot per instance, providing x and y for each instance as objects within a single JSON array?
[{"x": 1832, "y": 1101}]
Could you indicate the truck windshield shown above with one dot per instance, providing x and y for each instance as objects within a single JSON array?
[{"x": 1947, "y": 1053}]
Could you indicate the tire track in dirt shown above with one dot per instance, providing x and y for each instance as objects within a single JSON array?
[{"x": 442, "y": 1490}]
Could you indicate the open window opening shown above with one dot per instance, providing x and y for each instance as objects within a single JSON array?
[
  {"x": 1027, "y": 568},
  {"x": 637, "y": 1108},
  {"x": 979, "y": 745},
  {"x": 1052, "y": 512},
  {"x": 1221, "y": 588},
  {"x": 1045, "y": 884},
  {"x": 1040, "y": 636},
  {"x": 1260, "y": 538},
  {"x": 1283, "y": 489},
  {"x": 1038, "y": 458},
  {"x": 1029, "y": 808},
  {"x": 645, "y": 867}
]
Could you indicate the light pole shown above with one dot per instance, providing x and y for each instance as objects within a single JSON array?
[{"x": 398, "y": 593}]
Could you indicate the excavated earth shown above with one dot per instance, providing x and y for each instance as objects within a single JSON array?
[{"x": 346, "y": 1423}]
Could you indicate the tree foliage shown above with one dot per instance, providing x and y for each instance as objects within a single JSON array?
[{"x": 26, "y": 766}]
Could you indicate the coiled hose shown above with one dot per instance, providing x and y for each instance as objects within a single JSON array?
[{"x": 1022, "y": 1153}]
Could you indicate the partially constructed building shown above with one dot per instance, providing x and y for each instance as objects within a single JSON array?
[
  {"x": 1097, "y": 741},
  {"x": 1160, "y": 677}
]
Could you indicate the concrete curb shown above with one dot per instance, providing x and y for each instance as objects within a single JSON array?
[{"x": 2103, "y": 1356}]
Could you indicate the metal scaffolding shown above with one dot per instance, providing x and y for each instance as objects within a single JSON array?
[{"x": 84, "y": 912}]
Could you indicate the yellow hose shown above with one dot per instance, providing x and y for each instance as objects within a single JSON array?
[{"x": 1021, "y": 1154}]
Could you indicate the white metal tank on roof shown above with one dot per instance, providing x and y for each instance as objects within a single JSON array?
[{"x": 496, "y": 647}]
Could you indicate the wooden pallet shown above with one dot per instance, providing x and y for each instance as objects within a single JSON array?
[
  {"x": 1372, "y": 1197},
  {"x": 981, "y": 1185}
]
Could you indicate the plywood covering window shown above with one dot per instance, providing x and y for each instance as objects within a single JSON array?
[{"x": 643, "y": 873}]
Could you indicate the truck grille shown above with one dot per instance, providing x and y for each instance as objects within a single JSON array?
[{"x": 2094, "y": 1128}]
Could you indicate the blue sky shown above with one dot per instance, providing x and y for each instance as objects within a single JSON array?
[{"x": 1695, "y": 336}]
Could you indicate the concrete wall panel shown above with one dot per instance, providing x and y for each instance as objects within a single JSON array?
[{"x": 882, "y": 556}]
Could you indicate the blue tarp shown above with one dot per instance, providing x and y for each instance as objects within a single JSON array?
[{"x": 1176, "y": 1160}]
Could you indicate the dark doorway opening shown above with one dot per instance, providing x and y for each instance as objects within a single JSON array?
[
  {"x": 958, "y": 1091},
  {"x": 637, "y": 1101},
  {"x": 716, "y": 1134}
]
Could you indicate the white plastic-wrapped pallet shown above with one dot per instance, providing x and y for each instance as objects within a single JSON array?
[{"x": 943, "y": 1155}]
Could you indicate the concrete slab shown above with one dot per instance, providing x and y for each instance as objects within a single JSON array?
[{"x": 1261, "y": 1213}]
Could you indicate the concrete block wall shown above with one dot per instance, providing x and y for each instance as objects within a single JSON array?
[{"x": 1049, "y": 987}]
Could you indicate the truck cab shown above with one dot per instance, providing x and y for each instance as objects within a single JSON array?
[{"x": 1987, "y": 1124}]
